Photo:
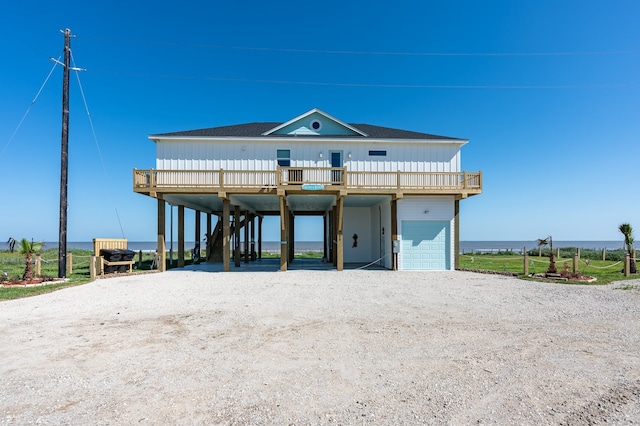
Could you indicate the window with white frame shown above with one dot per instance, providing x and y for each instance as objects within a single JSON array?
[{"x": 284, "y": 157}]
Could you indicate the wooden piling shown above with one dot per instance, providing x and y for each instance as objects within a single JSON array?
[
  {"x": 627, "y": 265},
  {"x": 38, "y": 265},
  {"x": 69, "y": 263},
  {"x": 92, "y": 267}
]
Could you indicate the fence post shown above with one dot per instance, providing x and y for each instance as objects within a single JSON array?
[
  {"x": 92, "y": 267},
  {"x": 575, "y": 262},
  {"x": 604, "y": 254},
  {"x": 627, "y": 265},
  {"x": 526, "y": 262},
  {"x": 140, "y": 259},
  {"x": 38, "y": 265},
  {"x": 69, "y": 263}
]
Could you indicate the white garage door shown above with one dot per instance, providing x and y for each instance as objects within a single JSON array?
[{"x": 425, "y": 245}]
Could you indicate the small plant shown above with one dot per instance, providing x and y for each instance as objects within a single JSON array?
[
  {"x": 627, "y": 231},
  {"x": 27, "y": 249},
  {"x": 629, "y": 287},
  {"x": 552, "y": 263}
]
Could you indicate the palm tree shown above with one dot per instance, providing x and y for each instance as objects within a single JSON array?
[
  {"x": 11, "y": 243},
  {"x": 552, "y": 263},
  {"x": 27, "y": 248},
  {"x": 627, "y": 231}
]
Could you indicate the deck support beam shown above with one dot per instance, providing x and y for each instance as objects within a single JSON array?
[
  {"x": 208, "y": 234},
  {"x": 259, "y": 237},
  {"x": 325, "y": 218},
  {"x": 291, "y": 241},
  {"x": 236, "y": 245},
  {"x": 283, "y": 234},
  {"x": 456, "y": 231},
  {"x": 162, "y": 248},
  {"x": 180, "y": 236},
  {"x": 226, "y": 235},
  {"x": 340, "y": 244},
  {"x": 334, "y": 235},
  {"x": 394, "y": 233},
  {"x": 252, "y": 232},
  {"x": 196, "y": 249},
  {"x": 246, "y": 236}
]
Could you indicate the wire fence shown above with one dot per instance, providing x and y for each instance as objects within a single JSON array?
[{"x": 523, "y": 263}]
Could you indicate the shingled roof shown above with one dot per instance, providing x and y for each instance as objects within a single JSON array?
[{"x": 256, "y": 130}]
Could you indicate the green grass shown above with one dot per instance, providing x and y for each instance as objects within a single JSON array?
[
  {"x": 13, "y": 264},
  {"x": 605, "y": 271},
  {"x": 304, "y": 255},
  {"x": 309, "y": 255},
  {"x": 7, "y": 293},
  {"x": 629, "y": 287}
]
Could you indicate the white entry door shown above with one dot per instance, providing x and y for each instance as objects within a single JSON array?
[{"x": 425, "y": 245}]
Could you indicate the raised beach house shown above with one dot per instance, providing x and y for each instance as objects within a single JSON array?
[{"x": 386, "y": 196}]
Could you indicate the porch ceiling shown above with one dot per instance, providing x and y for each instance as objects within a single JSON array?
[{"x": 270, "y": 204}]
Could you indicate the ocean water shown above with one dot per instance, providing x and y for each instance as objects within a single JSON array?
[{"x": 302, "y": 246}]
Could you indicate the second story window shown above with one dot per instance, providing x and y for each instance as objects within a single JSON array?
[{"x": 284, "y": 157}]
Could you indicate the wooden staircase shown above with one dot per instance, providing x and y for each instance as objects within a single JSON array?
[
  {"x": 215, "y": 241},
  {"x": 214, "y": 244}
]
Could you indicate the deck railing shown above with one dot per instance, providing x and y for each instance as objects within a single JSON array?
[
  {"x": 311, "y": 175},
  {"x": 158, "y": 180},
  {"x": 414, "y": 180}
]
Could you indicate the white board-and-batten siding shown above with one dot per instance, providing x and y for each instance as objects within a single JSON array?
[{"x": 262, "y": 155}]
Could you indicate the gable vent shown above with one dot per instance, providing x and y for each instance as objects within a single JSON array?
[{"x": 316, "y": 125}]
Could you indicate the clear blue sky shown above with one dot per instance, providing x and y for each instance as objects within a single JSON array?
[{"x": 547, "y": 92}]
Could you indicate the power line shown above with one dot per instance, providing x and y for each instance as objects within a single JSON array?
[
  {"x": 370, "y": 85},
  {"x": 363, "y": 52},
  {"x": 56, "y": 62},
  {"x": 95, "y": 139}
]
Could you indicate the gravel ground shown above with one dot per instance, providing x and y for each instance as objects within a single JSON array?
[{"x": 322, "y": 347}]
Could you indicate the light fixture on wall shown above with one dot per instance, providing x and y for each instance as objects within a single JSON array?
[
  {"x": 426, "y": 212},
  {"x": 349, "y": 155},
  {"x": 320, "y": 154}
]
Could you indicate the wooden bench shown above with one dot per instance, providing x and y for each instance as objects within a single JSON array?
[{"x": 110, "y": 244}]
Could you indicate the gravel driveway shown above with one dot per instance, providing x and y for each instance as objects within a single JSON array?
[{"x": 322, "y": 347}]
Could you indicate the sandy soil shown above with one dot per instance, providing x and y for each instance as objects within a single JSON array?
[{"x": 322, "y": 347}]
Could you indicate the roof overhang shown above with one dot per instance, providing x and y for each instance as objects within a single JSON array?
[{"x": 305, "y": 139}]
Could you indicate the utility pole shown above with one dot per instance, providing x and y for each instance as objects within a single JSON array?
[{"x": 64, "y": 167}]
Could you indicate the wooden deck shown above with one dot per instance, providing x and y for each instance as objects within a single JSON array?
[{"x": 293, "y": 178}]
